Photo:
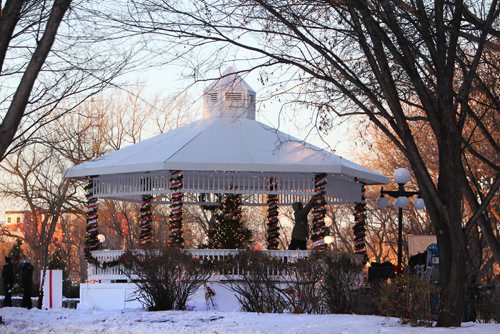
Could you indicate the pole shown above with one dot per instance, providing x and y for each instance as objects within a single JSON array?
[
  {"x": 395, "y": 194},
  {"x": 400, "y": 238},
  {"x": 401, "y": 190}
]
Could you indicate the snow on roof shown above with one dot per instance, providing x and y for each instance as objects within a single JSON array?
[{"x": 224, "y": 144}]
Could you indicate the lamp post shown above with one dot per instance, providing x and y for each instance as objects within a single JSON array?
[{"x": 401, "y": 177}]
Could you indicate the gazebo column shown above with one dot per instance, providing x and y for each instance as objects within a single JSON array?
[
  {"x": 319, "y": 212},
  {"x": 146, "y": 231},
  {"x": 272, "y": 217},
  {"x": 91, "y": 241},
  {"x": 176, "y": 238},
  {"x": 359, "y": 227}
]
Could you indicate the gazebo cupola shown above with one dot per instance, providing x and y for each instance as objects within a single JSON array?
[{"x": 229, "y": 96}]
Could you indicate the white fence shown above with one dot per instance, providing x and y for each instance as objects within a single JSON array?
[{"x": 116, "y": 273}]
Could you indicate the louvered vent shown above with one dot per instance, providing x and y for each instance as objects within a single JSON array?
[
  {"x": 234, "y": 96},
  {"x": 213, "y": 97}
]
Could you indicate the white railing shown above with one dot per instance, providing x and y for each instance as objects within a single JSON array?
[
  {"x": 158, "y": 182},
  {"x": 254, "y": 186},
  {"x": 116, "y": 273}
]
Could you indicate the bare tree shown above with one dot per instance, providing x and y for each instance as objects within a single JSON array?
[
  {"x": 378, "y": 59},
  {"x": 52, "y": 57},
  {"x": 37, "y": 179},
  {"x": 386, "y": 157},
  {"x": 33, "y": 175}
]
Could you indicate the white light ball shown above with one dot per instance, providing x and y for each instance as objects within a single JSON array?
[
  {"x": 419, "y": 203},
  {"x": 401, "y": 202},
  {"x": 401, "y": 176},
  {"x": 328, "y": 239},
  {"x": 382, "y": 203},
  {"x": 101, "y": 238}
]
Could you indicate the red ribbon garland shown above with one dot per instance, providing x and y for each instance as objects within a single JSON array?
[
  {"x": 272, "y": 216},
  {"x": 176, "y": 184}
]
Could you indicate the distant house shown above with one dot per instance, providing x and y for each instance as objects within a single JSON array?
[{"x": 25, "y": 225}]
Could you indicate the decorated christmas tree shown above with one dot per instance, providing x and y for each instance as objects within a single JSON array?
[
  {"x": 228, "y": 231},
  {"x": 16, "y": 254},
  {"x": 57, "y": 262}
]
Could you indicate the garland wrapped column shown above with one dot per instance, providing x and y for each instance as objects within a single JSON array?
[
  {"x": 272, "y": 217},
  {"x": 91, "y": 241},
  {"x": 176, "y": 238},
  {"x": 359, "y": 227},
  {"x": 146, "y": 234},
  {"x": 319, "y": 212}
]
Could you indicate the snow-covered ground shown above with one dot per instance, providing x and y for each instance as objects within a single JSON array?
[{"x": 18, "y": 320}]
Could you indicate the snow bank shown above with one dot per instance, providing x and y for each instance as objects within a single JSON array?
[{"x": 137, "y": 321}]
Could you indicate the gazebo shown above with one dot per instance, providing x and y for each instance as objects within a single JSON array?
[{"x": 226, "y": 152}]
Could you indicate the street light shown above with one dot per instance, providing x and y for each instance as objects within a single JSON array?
[{"x": 401, "y": 176}]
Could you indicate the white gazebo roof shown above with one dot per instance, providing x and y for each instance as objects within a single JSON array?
[
  {"x": 224, "y": 144},
  {"x": 235, "y": 144}
]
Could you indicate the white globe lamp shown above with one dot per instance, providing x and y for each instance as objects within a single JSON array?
[
  {"x": 401, "y": 202},
  {"x": 101, "y": 238},
  {"x": 381, "y": 202},
  {"x": 401, "y": 175},
  {"x": 328, "y": 239},
  {"x": 419, "y": 203}
]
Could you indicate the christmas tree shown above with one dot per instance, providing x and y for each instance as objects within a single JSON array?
[
  {"x": 16, "y": 254},
  {"x": 57, "y": 262},
  {"x": 228, "y": 231}
]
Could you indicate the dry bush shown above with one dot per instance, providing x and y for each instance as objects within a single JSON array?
[
  {"x": 317, "y": 284},
  {"x": 257, "y": 286},
  {"x": 407, "y": 298},
  {"x": 166, "y": 277},
  {"x": 340, "y": 274},
  {"x": 302, "y": 293},
  {"x": 488, "y": 304}
]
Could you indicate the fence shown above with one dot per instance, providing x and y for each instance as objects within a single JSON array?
[{"x": 116, "y": 273}]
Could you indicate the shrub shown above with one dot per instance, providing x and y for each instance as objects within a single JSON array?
[
  {"x": 165, "y": 277},
  {"x": 257, "y": 286},
  {"x": 302, "y": 293},
  {"x": 407, "y": 298},
  {"x": 488, "y": 304},
  {"x": 340, "y": 274},
  {"x": 317, "y": 284}
]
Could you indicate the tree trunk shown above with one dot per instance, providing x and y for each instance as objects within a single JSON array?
[{"x": 450, "y": 237}]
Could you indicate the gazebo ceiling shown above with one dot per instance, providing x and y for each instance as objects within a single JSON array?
[{"x": 227, "y": 151}]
